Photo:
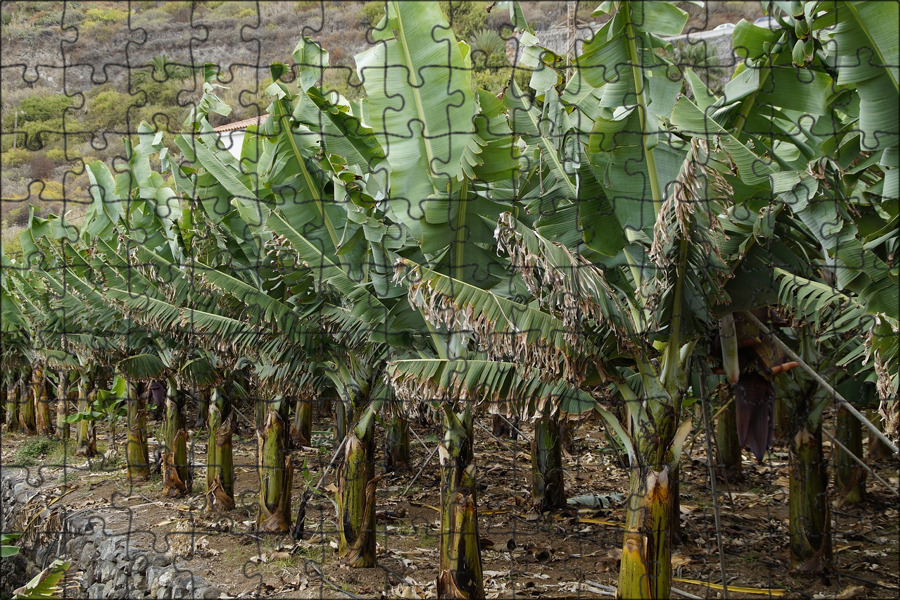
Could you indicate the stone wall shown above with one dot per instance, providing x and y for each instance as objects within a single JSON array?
[{"x": 111, "y": 566}]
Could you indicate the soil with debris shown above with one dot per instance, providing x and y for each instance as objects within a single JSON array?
[{"x": 569, "y": 553}]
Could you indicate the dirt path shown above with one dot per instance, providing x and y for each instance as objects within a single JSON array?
[{"x": 572, "y": 553}]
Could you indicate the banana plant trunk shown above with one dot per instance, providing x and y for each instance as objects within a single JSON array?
[
  {"x": 646, "y": 570},
  {"x": 136, "y": 452},
  {"x": 176, "y": 470},
  {"x": 276, "y": 472},
  {"x": 26, "y": 406},
  {"x": 808, "y": 505},
  {"x": 850, "y": 476},
  {"x": 12, "y": 405},
  {"x": 85, "y": 432},
  {"x": 548, "y": 487},
  {"x": 42, "y": 417},
  {"x": 782, "y": 418},
  {"x": 878, "y": 450},
  {"x": 262, "y": 411},
  {"x": 219, "y": 458},
  {"x": 342, "y": 418},
  {"x": 301, "y": 428},
  {"x": 460, "y": 574},
  {"x": 396, "y": 444},
  {"x": 62, "y": 406},
  {"x": 728, "y": 448},
  {"x": 202, "y": 409},
  {"x": 356, "y": 493}
]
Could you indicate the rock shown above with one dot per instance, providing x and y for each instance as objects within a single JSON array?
[
  {"x": 19, "y": 488},
  {"x": 95, "y": 591},
  {"x": 12, "y": 574},
  {"x": 207, "y": 593},
  {"x": 160, "y": 560},
  {"x": 87, "y": 554},
  {"x": 107, "y": 551},
  {"x": 139, "y": 564},
  {"x": 166, "y": 578},
  {"x": 153, "y": 574}
]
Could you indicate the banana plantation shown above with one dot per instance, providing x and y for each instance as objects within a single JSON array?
[{"x": 304, "y": 346}]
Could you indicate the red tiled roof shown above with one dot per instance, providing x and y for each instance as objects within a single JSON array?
[{"x": 242, "y": 124}]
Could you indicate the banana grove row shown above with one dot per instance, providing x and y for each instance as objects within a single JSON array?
[{"x": 434, "y": 244}]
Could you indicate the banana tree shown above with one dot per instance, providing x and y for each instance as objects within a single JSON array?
[
  {"x": 449, "y": 179},
  {"x": 16, "y": 333},
  {"x": 333, "y": 236},
  {"x": 358, "y": 380},
  {"x": 220, "y": 461},
  {"x": 43, "y": 420},
  {"x": 832, "y": 225}
]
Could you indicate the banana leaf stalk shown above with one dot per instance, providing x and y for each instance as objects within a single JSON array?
[
  {"x": 12, "y": 405},
  {"x": 176, "y": 470},
  {"x": 460, "y": 574},
  {"x": 647, "y": 554},
  {"x": 782, "y": 418},
  {"x": 808, "y": 504},
  {"x": 26, "y": 406},
  {"x": 136, "y": 452},
  {"x": 219, "y": 458},
  {"x": 548, "y": 487},
  {"x": 728, "y": 448},
  {"x": 342, "y": 416},
  {"x": 729, "y": 342},
  {"x": 62, "y": 400},
  {"x": 202, "y": 409},
  {"x": 396, "y": 444},
  {"x": 276, "y": 472},
  {"x": 356, "y": 493},
  {"x": 43, "y": 420},
  {"x": 301, "y": 428},
  {"x": 651, "y": 526},
  {"x": 849, "y": 476},
  {"x": 85, "y": 433}
]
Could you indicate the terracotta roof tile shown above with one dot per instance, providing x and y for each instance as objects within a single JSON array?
[{"x": 242, "y": 124}]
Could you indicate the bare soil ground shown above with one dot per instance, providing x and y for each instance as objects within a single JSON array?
[{"x": 570, "y": 553}]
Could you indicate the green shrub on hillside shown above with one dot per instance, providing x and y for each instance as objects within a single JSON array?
[
  {"x": 466, "y": 18},
  {"x": 43, "y": 135},
  {"x": 106, "y": 15},
  {"x": 174, "y": 7},
  {"x": 43, "y": 107},
  {"x": 108, "y": 109},
  {"x": 372, "y": 13},
  {"x": 162, "y": 117},
  {"x": 57, "y": 155},
  {"x": 15, "y": 157}
]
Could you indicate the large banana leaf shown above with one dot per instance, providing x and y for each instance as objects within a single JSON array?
[
  {"x": 499, "y": 383},
  {"x": 502, "y": 328},
  {"x": 867, "y": 53},
  {"x": 420, "y": 103}
]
